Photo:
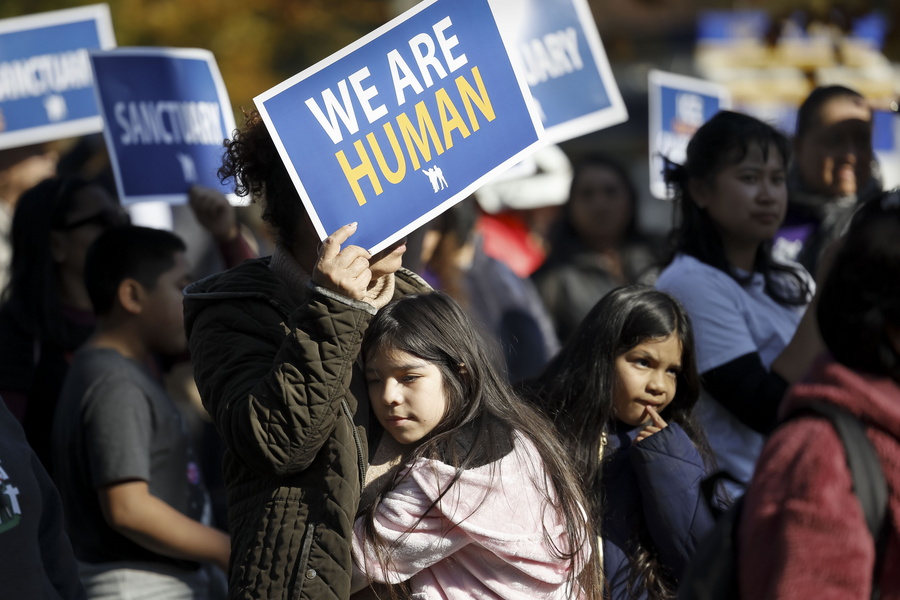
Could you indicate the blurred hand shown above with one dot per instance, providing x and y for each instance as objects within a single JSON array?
[
  {"x": 345, "y": 271},
  {"x": 213, "y": 212}
]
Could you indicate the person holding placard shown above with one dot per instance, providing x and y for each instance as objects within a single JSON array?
[{"x": 260, "y": 334}]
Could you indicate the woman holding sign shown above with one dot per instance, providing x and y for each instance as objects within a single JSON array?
[{"x": 261, "y": 335}]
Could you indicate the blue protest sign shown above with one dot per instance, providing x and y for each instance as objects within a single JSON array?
[
  {"x": 167, "y": 114},
  {"x": 402, "y": 124},
  {"x": 46, "y": 84},
  {"x": 560, "y": 53},
  {"x": 679, "y": 105}
]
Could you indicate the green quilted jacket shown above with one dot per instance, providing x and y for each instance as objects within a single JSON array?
[{"x": 280, "y": 378}]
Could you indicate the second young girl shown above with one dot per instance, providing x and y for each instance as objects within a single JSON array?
[
  {"x": 484, "y": 503},
  {"x": 621, "y": 393}
]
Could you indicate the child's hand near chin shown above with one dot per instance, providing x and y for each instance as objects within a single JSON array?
[{"x": 655, "y": 425}]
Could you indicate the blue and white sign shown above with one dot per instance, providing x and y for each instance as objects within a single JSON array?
[
  {"x": 679, "y": 105},
  {"x": 402, "y": 124},
  {"x": 167, "y": 114},
  {"x": 558, "y": 48},
  {"x": 46, "y": 84}
]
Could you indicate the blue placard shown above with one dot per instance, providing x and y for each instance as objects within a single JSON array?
[
  {"x": 167, "y": 114},
  {"x": 404, "y": 123},
  {"x": 560, "y": 53},
  {"x": 679, "y": 105},
  {"x": 46, "y": 84}
]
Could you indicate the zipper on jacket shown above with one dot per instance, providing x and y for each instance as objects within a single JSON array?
[
  {"x": 304, "y": 572},
  {"x": 359, "y": 453}
]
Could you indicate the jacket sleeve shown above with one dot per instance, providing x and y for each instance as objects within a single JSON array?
[
  {"x": 669, "y": 471},
  {"x": 802, "y": 531},
  {"x": 275, "y": 390}
]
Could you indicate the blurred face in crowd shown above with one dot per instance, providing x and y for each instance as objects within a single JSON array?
[
  {"x": 646, "y": 375},
  {"x": 746, "y": 200},
  {"x": 600, "y": 208},
  {"x": 162, "y": 312},
  {"x": 407, "y": 394},
  {"x": 835, "y": 155},
  {"x": 93, "y": 211}
]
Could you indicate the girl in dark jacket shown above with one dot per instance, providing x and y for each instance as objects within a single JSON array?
[{"x": 621, "y": 394}]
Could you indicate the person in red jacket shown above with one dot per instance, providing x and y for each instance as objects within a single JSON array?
[{"x": 802, "y": 533}]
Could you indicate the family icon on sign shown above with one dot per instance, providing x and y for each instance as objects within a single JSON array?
[{"x": 436, "y": 178}]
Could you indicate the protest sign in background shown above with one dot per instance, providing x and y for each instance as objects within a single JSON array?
[
  {"x": 46, "y": 85},
  {"x": 167, "y": 114},
  {"x": 679, "y": 105},
  {"x": 558, "y": 49},
  {"x": 403, "y": 123}
]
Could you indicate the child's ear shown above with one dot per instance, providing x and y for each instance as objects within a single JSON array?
[{"x": 131, "y": 296}]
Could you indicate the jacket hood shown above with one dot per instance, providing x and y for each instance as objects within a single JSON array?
[
  {"x": 251, "y": 280},
  {"x": 874, "y": 399}
]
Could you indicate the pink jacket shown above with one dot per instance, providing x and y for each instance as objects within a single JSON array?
[
  {"x": 484, "y": 539},
  {"x": 802, "y": 533}
]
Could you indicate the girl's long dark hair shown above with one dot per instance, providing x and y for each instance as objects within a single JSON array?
[
  {"x": 32, "y": 295},
  {"x": 484, "y": 415},
  {"x": 726, "y": 139},
  {"x": 577, "y": 391}
]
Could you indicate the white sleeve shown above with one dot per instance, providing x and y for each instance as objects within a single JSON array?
[{"x": 716, "y": 308}]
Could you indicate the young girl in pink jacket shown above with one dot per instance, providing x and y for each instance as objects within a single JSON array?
[{"x": 484, "y": 503}]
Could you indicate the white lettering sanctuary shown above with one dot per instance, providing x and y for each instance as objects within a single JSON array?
[
  {"x": 169, "y": 123},
  {"x": 45, "y": 74}
]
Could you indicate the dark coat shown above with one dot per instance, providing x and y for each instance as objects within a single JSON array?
[
  {"x": 653, "y": 485},
  {"x": 274, "y": 372}
]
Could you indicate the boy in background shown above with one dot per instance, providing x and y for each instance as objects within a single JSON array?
[{"x": 128, "y": 477}]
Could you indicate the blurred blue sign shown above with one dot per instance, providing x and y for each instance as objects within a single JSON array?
[
  {"x": 679, "y": 105},
  {"x": 46, "y": 84},
  {"x": 402, "y": 124},
  {"x": 167, "y": 114},
  {"x": 563, "y": 60}
]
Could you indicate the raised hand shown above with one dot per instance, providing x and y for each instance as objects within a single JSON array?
[
  {"x": 655, "y": 425},
  {"x": 345, "y": 271}
]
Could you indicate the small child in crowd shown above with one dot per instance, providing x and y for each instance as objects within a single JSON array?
[
  {"x": 621, "y": 394},
  {"x": 484, "y": 504},
  {"x": 131, "y": 487}
]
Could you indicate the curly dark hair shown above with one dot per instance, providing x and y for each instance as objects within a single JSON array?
[{"x": 252, "y": 161}]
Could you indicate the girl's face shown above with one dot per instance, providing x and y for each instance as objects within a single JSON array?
[
  {"x": 835, "y": 156},
  {"x": 646, "y": 376},
  {"x": 600, "y": 207},
  {"x": 746, "y": 200},
  {"x": 407, "y": 394}
]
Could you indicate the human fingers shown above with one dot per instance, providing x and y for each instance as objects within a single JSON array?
[
  {"x": 647, "y": 432},
  {"x": 655, "y": 418},
  {"x": 331, "y": 245}
]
